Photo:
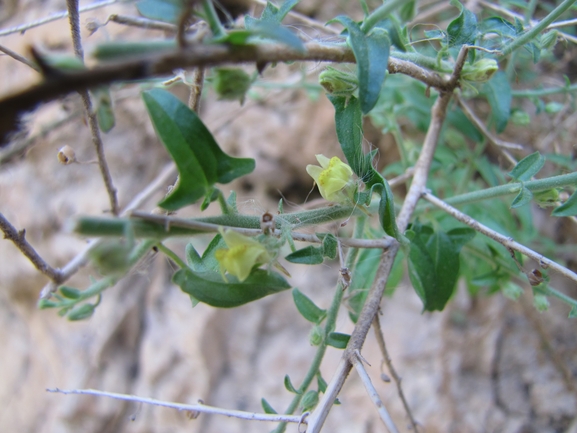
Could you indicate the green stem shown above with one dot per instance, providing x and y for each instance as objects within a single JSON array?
[
  {"x": 330, "y": 323},
  {"x": 168, "y": 252},
  {"x": 544, "y": 92},
  {"x": 530, "y": 11},
  {"x": 424, "y": 61},
  {"x": 212, "y": 19},
  {"x": 513, "y": 188},
  {"x": 92, "y": 226},
  {"x": 380, "y": 14},
  {"x": 533, "y": 32}
]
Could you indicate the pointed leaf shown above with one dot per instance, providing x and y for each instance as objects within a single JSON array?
[
  {"x": 267, "y": 407},
  {"x": 338, "y": 340},
  {"x": 525, "y": 196},
  {"x": 528, "y": 167},
  {"x": 307, "y": 256},
  {"x": 569, "y": 208},
  {"x": 289, "y": 386},
  {"x": 498, "y": 92},
  {"x": 329, "y": 246},
  {"x": 321, "y": 383},
  {"x": 271, "y": 13},
  {"x": 209, "y": 287},
  {"x": 307, "y": 308},
  {"x": 199, "y": 159},
  {"x": 372, "y": 56},
  {"x": 193, "y": 259},
  {"x": 463, "y": 29},
  {"x": 163, "y": 10}
]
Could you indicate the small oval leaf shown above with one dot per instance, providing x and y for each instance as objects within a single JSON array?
[
  {"x": 307, "y": 308},
  {"x": 80, "y": 313},
  {"x": 306, "y": 256},
  {"x": 528, "y": 167},
  {"x": 267, "y": 407},
  {"x": 338, "y": 340},
  {"x": 209, "y": 287},
  {"x": 569, "y": 208},
  {"x": 70, "y": 292},
  {"x": 289, "y": 386},
  {"x": 524, "y": 197}
]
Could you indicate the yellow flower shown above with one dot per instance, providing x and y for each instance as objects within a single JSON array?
[
  {"x": 334, "y": 179},
  {"x": 242, "y": 254}
]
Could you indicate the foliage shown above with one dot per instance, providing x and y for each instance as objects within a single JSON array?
[{"x": 435, "y": 250}]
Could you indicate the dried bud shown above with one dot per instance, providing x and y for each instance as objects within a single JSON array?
[
  {"x": 66, "y": 155},
  {"x": 267, "y": 223}
]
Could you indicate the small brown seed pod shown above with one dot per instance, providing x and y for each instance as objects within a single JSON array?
[{"x": 66, "y": 155}]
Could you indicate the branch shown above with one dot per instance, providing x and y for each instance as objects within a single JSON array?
[
  {"x": 74, "y": 18},
  {"x": 56, "y": 16},
  {"x": 195, "y": 55},
  {"x": 167, "y": 221},
  {"x": 81, "y": 258},
  {"x": 358, "y": 363},
  {"x": 19, "y": 58},
  {"x": 194, "y": 408},
  {"x": 392, "y": 371},
  {"x": 373, "y": 300},
  {"x": 507, "y": 242},
  {"x": 19, "y": 239},
  {"x": 481, "y": 126}
]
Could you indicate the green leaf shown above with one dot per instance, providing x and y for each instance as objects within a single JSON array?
[
  {"x": 307, "y": 256},
  {"x": 104, "y": 111},
  {"x": 309, "y": 400},
  {"x": 45, "y": 303},
  {"x": 321, "y": 383},
  {"x": 528, "y": 167},
  {"x": 307, "y": 308},
  {"x": 372, "y": 55},
  {"x": 338, "y": 340},
  {"x": 70, "y": 292},
  {"x": 193, "y": 259},
  {"x": 267, "y": 407},
  {"x": 162, "y": 10},
  {"x": 329, "y": 246},
  {"x": 573, "y": 312},
  {"x": 289, "y": 386},
  {"x": 199, "y": 159},
  {"x": 525, "y": 196},
  {"x": 499, "y": 26},
  {"x": 348, "y": 120},
  {"x": 434, "y": 263},
  {"x": 408, "y": 11},
  {"x": 463, "y": 29},
  {"x": 80, "y": 313},
  {"x": 209, "y": 287},
  {"x": 569, "y": 208},
  {"x": 498, "y": 92},
  {"x": 271, "y": 13},
  {"x": 266, "y": 30}
]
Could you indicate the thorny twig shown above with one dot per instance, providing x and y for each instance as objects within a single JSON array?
[
  {"x": 19, "y": 58},
  {"x": 373, "y": 394},
  {"x": 56, "y": 16},
  {"x": 382, "y": 345},
  {"x": 19, "y": 239},
  {"x": 193, "y": 408},
  {"x": 74, "y": 18},
  {"x": 507, "y": 242}
]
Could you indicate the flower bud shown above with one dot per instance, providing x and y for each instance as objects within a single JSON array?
[
  {"x": 540, "y": 302},
  {"x": 231, "y": 83},
  {"x": 480, "y": 71},
  {"x": 549, "y": 39},
  {"x": 310, "y": 400},
  {"x": 337, "y": 82},
  {"x": 316, "y": 336}
]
